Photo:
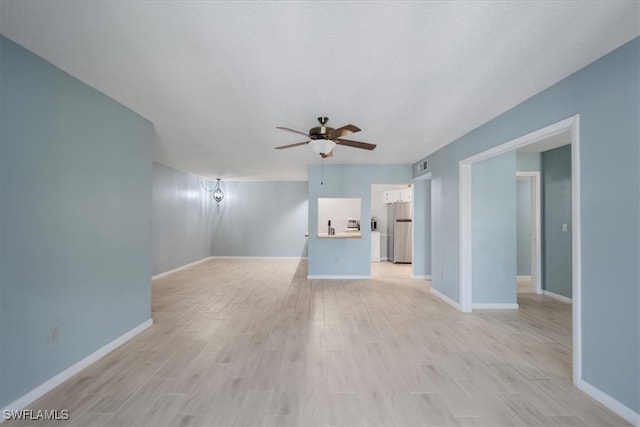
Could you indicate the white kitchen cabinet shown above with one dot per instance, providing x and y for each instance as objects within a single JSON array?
[
  {"x": 405, "y": 195},
  {"x": 375, "y": 246},
  {"x": 393, "y": 196},
  {"x": 390, "y": 196}
]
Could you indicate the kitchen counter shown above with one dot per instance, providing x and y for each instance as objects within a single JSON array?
[{"x": 342, "y": 235}]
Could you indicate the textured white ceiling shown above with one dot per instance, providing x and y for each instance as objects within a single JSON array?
[{"x": 217, "y": 77}]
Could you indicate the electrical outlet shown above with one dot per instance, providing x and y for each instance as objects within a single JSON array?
[{"x": 53, "y": 335}]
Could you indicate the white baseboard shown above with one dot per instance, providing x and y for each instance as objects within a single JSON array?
[
  {"x": 421, "y": 276},
  {"x": 445, "y": 298},
  {"x": 619, "y": 408},
  {"x": 338, "y": 277},
  {"x": 257, "y": 257},
  {"x": 175, "y": 270},
  {"x": 494, "y": 306},
  {"x": 557, "y": 296},
  {"x": 523, "y": 277},
  {"x": 63, "y": 376}
]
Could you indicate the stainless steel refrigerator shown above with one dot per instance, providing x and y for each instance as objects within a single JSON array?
[{"x": 402, "y": 232}]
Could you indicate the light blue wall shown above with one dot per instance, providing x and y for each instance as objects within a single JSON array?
[
  {"x": 422, "y": 227},
  {"x": 556, "y": 207},
  {"x": 606, "y": 94},
  {"x": 261, "y": 219},
  {"x": 181, "y": 221},
  {"x": 523, "y": 226},
  {"x": 493, "y": 224},
  {"x": 75, "y": 217},
  {"x": 444, "y": 222},
  {"x": 528, "y": 162},
  {"x": 346, "y": 257}
]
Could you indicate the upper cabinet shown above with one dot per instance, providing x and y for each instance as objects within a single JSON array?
[
  {"x": 390, "y": 196},
  {"x": 393, "y": 196},
  {"x": 406, "y": 195}
]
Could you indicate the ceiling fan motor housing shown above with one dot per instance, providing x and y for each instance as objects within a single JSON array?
[{"x": 320, "y": 132}]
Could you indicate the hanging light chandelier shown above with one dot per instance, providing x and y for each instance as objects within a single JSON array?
[
  {"x": 216, "y": 191},
  {"x": 218, "y": 194}
]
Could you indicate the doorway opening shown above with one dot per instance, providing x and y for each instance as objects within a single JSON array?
[
  {"x": 391, "y": 230},
  {"x": 529, "y": 231},
  {"x": 570, "y": 127}
]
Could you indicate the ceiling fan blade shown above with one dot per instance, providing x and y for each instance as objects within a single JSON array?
[
  {"x": 355, "y": 144},
  {"x": 280, "y": 147},
  {"x": 344, "y": 130},
  {"x": 292, "y": 130},
  {"x": 327, "y": 155}
]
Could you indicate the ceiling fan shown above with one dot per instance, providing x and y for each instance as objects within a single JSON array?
[{"x": 323, "y": 138}]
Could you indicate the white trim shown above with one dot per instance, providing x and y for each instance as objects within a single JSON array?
[
  {"x": 63, "y": 376},
  {"x": 523, "y": 277},
  {"x": 523, "y": 140},
  {"x": 557, "y": 296},
  {"x": 619, "y": 408},
  {"x": 537, "y": 224},
  {"x": 413, "y": 228},
  {"x": 464, "y": 224},
  {"x": 256, "y": 257},
  {"x": 175, "y": 270},
  {"x": 495, "y": 306},
  {"x": 337, "y": 277},
  {"x": 536, "y": 228},
  {"x": 445, "y": 298},
  {"x": 572, "y": 124},
  {"x": 576, "y": 248},
  {"x": 421, "y": 276}
]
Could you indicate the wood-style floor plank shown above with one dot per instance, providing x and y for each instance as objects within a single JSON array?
[{"x": 255, "y": 343}]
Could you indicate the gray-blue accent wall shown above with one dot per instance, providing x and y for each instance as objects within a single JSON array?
[
  {"x": 606, "y": 95},
  {"x": 75, "y": 220},
  {"x": 556, "y": 208}
]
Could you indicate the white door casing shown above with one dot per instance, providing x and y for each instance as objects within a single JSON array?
[{"x": 571, "y": 124}]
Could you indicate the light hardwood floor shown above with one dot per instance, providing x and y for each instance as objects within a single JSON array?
[{"x": 254, "y": 343}]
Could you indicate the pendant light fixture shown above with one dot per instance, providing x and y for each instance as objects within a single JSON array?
[
  {"x": 218, "y": 194},
  {"x": 216, "y": 191}
]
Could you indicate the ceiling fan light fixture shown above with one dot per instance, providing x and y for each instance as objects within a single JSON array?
[
  {"x": 322, "y": 146},
  {"x": 323, "y": 139}
]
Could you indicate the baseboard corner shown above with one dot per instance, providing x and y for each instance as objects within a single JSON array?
[
  {"x": 557, "y": 296},
  {"x": 446, "y": 299},
  {"x": 613, "y": 404}
]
